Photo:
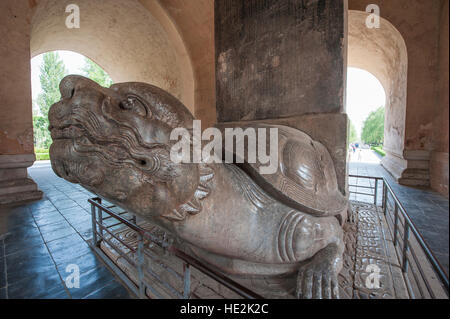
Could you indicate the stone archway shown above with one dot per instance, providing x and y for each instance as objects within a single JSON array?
[
  {"x": 383, "y": 53},
  {"x": 168, "y": 43},
  {"x": 125, "y": 38}
]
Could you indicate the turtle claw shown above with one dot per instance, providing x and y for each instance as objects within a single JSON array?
[{"x": 318, "y": 279}]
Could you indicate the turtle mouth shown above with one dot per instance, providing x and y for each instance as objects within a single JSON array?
[{"x": 67, "y": 131}]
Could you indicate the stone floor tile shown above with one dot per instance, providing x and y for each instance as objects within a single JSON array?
[
  {"x": 28, "y": 263},
  {"x": 21, "y": 233},
  {"x": 85, "y": 263},
  {"x": 114, "y": 290},
  {"x": 48, "y": 218},
  {"x": 56, "y": 230},
  {"x": 64, "y": 204},
  {"x": 78, "y": 219},
  {"x": 42, "y": 205},
  {"x": 2, "y": 273},
  {"x": 68, "y": 248},
  {"x": 46, "y": 284},
  {"x": 58, "y": 233},
  {"x": 20, "y": 244},
  {"x": 90, "y": 281}
]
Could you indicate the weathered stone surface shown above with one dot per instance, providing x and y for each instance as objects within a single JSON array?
[
  {"x": 16, "y": 131},
  {"x": 15, "y": 185},
  {"x": 115, "y": 142},
  {"x": 329, "y": 129},
  {"x": 282, "y": 62},
  {"x": 277, "y": 59}
]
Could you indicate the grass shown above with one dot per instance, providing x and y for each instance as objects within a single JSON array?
[
  {"x": 41, "y": 154},
  {"x": 379, "y": 150}
]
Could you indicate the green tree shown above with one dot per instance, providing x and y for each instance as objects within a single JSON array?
[
  {"x": 373, "y": 128},
  {"x": 353, "y": 134},
  {"x": 42, "y": 137},
  {"x": 52, "y": 71},
  {"x": 94, "y": 72}
]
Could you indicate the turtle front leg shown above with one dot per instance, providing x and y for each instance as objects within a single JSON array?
[{"x": 318, "y": 276}]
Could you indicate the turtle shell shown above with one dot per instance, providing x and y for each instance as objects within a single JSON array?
[{"x": 305, "y": 178}]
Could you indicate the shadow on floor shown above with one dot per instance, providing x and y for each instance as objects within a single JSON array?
[{"x": 43, "y": 244}]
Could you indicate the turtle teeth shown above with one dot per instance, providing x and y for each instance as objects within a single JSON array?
[
  {"x": 206, "y": 173},
  {"x": 201, "y": 192},
  {"x": 192, "y": 207},
  {"x": 195, "y": 204},
  {"x": 176, "y": 215}
]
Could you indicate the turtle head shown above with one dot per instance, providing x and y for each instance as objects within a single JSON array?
[{"x": 116, "y": 142}]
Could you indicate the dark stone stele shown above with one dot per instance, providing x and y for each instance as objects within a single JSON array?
[
  {"x": 278, "y": 58},
  {"x": 116, "y": 143}
]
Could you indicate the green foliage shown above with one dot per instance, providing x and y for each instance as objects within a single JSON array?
[
  {"x": 379, "y": 150},
  {"x": 52, "y": 72},
  {"x": 353, "y": 134},
  {"x": 42, "y": 136},
  {"x": 96, "y": 73},
  {"x": 41, "y": 153},
  {"x": 42, "y": 156},
  {"x": 373, "y": 128},
  {"x": 40, "y": 150}
]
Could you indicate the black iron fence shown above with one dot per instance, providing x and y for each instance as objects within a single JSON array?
[
  {"x": 104, "y": 221},
  {"x": 423, "y": 274}
]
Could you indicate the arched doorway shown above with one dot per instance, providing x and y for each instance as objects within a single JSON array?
[
  {"x": 123, "y": 37},
  {"x": 383, "y": 53},
  {"x": 365, "y": 105},
  {"x": 47, "y": 70}
]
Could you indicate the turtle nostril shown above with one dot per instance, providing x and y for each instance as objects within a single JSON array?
[{"x": 72, "y": 93}]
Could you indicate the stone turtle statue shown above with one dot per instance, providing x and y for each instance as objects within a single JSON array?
[{"x": 115, "y": 142}]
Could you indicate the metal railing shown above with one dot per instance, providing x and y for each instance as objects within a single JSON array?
[
  {"x": 102, "y": 229},
  {"x": 413, "y": 253}
]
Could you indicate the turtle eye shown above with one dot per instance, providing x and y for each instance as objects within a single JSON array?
[{"x": 133, "y": 104}]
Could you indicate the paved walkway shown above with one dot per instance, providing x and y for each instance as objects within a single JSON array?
[
  {"x": 39, "y": 241},
  {"x": 428, "y": 210}
]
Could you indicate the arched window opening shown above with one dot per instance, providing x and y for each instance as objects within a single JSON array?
[
  {"x": 47, "y": 71},
  {"x": 382, "y": 52},
  {"x": 366, "y": 99}
]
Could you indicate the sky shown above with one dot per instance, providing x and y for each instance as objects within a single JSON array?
[
  {"x": 364, "y": 92},
  {"x": 73, "y": 62},
  {"x": 364, "y": 95}
]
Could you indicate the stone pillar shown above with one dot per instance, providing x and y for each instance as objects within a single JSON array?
[
  {"x": 410, "y": 167},
  {"x": 284, "y": 62},
  {"x": 16, "y": 126}
]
